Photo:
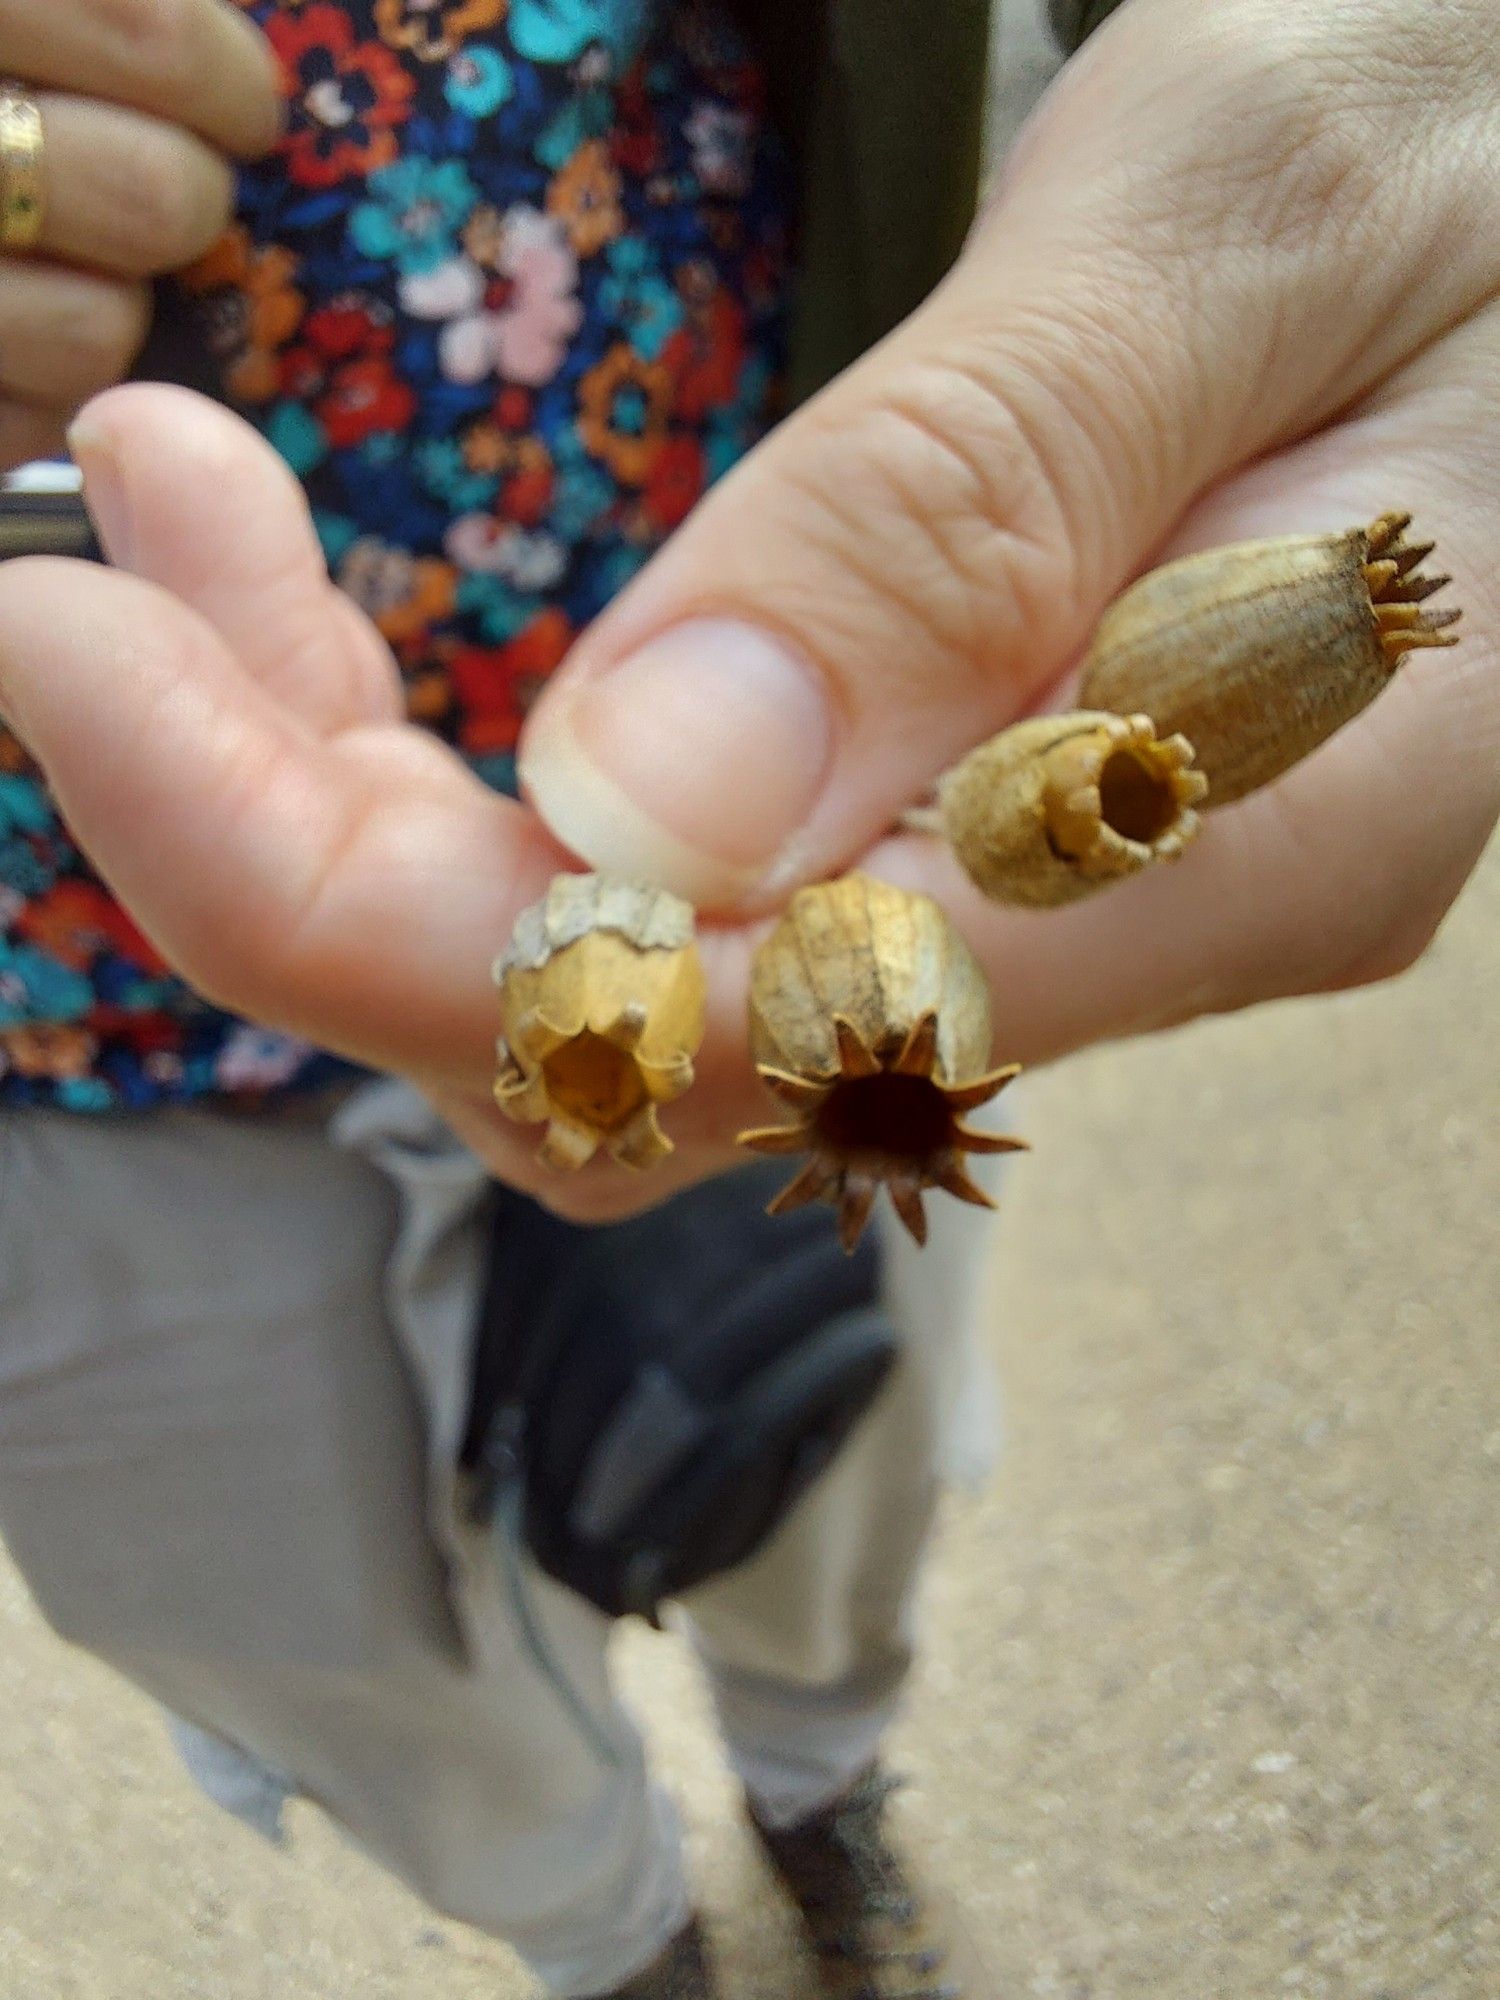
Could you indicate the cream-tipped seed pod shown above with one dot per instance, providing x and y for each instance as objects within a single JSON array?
[
  {"x": 870, "y": 1022},
  {"x": 1055, "y": 807},
  {"x": 602, "y": 1002},
  {"x": 1257, "y": 653}
]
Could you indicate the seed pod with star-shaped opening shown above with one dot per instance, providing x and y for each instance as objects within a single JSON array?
[{"x": 870, "y": 1023}]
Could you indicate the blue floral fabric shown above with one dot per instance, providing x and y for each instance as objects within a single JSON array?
[{"x": 510, "y": 295}]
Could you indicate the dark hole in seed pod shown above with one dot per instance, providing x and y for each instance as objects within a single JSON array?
[
  {"x": 1137, "y": 802},
  {"x": 886, "y": 1117},
  {"x": 595, "y": 1081}
]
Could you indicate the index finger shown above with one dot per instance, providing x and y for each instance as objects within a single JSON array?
[{"x": 197, "y": 63}]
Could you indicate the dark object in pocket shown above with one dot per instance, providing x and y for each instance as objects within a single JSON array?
[
  {"x": 652, "y": 1399},
  {"x": 45, "y": 524}
]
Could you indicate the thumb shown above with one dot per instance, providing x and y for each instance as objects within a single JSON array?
[{"x": 917, "y": 555}]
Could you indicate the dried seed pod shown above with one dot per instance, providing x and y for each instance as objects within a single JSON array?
[
  {"x": 602, "y": 1001},
  {"x": 870, "y": 1021},
  {"x": 1259, "y": 652},
  {"x": 1055, "y": 807}
]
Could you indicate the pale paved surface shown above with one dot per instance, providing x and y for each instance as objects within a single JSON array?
[{"x": 1213, "y": 1703}]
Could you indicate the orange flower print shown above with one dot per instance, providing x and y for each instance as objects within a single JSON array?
[
  {"x": 585, "y": 198},
  {"x": 74, "y": 922},
  {"x": 484, "y": 236},
  {"x": 47, "y": 1049},
  {"x": 488, "y": 449},
  {"x": 622, "y": 413},
  {"x": 251, "y": 309},
  {"x": 405, "y": 595},
  {"x": 345, "y": 97},
  {"x": 434, "y": 30},
  {"x": 14, "y": 762}
]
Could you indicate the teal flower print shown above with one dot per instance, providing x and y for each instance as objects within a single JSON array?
[
  {"x": 583, "y": 494},
  {"x": 23, "y": 806},
  {"x": 499, "y": 610},
  {"x": 337, "y": 534},
  {"x": 298, "y": 436},
  {"x": 724, "y": 446},
  {"x": 479, "y": 82},
  {"x": 448, "y": 476},
  {"x": 497, "y": 771},
  {"x": 588, "y": 114},
  {"x": 621, "y": 565},
  {"x": 34, "y": 987},
  {"x": 638, "y": 298},
  {"x": 414, "y": 217},
  {"x": 558, "y": 31},
  {"x": 23, "y": 870},
  {"x": 84, "y": 1093}
]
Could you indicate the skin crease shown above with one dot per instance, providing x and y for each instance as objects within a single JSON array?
[{"x": 1239, "y": 279}]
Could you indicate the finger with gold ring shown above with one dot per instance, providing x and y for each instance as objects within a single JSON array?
[{"x": 21, "y": 190}]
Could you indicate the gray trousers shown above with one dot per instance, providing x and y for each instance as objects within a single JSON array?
[{"x": 233, "y": 1373}]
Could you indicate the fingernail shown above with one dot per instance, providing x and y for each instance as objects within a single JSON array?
[
  {"x": 692, "y": 764},
  {"x": 93, "y": 453}
]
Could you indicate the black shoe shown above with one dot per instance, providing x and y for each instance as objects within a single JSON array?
[{"x": 875, "y": 1933}]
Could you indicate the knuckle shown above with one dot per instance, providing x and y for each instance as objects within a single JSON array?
[
  {"x": 175, "y": 200},
  {"x": 940, "y": 493},
  {"x": 95, "y": 348},
  {"x": 161, "y": 39},
  {"x": 1366, "y": 134},
  {"x": 1303, "y": 142}
]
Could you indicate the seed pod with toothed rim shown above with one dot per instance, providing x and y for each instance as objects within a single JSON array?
[
  {"x": 1055, "y": 807},
  {"x": 602, "y": 1001},
  {"x": 870, "y": 1023},
  {"x": 1259, "y": 652}
]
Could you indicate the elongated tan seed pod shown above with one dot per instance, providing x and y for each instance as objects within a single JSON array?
[
  {"x": 1259, "y": 652},
  {"x": 870, "y": 1022},
  {"x": 1055, "y": 807},
  {"x": 602, "y": 1003}
]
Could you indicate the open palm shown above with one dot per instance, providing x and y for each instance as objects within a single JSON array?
[{"x": 225, "y": 734}]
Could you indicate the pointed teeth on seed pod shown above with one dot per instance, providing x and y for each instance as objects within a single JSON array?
[
  {"x": 1055, "y": 807},
  {"x": 1385, "y": 530},
  {"x": 1406, "y": 626},
  {"x": 906, "y": 1199},
  {"x": 602, "y": 1002},
  {"x": 567, "y": 1145},
  {"x": 641, "y": 1143},
  {"x": 1259, "y": 652},
  {"x": 870, "y": 1024}
]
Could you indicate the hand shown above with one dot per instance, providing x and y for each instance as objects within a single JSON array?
[
  {"x": 224, "y": 731},
  {"x": 1239, "y": 278},
  {"x": 144, "y": 103},
  {"x": 1202, "y": 256}
]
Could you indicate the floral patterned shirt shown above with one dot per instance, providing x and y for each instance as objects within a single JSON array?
[{"x": 510, "y": 295}]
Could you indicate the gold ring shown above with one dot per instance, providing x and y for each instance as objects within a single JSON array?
[{"x": 21, "y": 201}]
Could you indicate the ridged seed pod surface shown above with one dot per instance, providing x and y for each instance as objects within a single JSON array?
[
  {"x": 870, "y": 1022},
  {"x": 880, "y": 956},
  {"x": 1259, "y": 652},
  {"x": 602, "y": 1003},
  {"x": 1055, "y": 807}
]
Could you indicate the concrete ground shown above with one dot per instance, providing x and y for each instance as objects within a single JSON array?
[{"x": 1212, "y": 1703}]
